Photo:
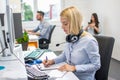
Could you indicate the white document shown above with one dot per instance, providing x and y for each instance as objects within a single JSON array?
[
  {"x": 52, "y": 67},
  {"x": 53, "y": 70},
  {"x": 57, "y": 73}
]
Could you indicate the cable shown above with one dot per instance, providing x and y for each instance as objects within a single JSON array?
[
  {"x": 1, "y": 46},
  {"x": 3, "y": 50}
]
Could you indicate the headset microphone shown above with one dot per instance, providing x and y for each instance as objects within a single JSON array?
[{"x": 60, "y": 43}]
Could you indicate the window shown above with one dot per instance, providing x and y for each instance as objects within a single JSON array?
[
  {"x": 50, "y": 7},
  {"x": 27, "y": 10}
]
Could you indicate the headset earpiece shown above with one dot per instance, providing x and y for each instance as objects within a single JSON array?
[{"x": 73, "y": 38}]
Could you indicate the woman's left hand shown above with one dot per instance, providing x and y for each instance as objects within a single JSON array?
[
  {"x": 92, "y": 25},
  {"x": 67, "y": 67}
]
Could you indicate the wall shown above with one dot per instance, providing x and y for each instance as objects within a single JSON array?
[
  {"x": 15, "y": 5},
  {"x": 2, "y": 6},
  {"x": 84, "y": 7}
]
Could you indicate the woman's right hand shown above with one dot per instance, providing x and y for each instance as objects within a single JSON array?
[
  {"x": 92, "y": 25},
  {"x": 48, "y": 63}
]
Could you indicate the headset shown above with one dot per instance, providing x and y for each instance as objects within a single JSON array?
[{"x": 71, "y": 38}]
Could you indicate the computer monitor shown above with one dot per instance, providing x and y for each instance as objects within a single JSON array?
[
  {"x": 10, "y": 25},
  {"x": 17, "y": 25},
  {"x": 8, "y": 34}
]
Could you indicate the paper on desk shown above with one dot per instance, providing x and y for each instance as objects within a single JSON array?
[
  {"x": 53, "y": 70},
  {"x": 33, "y": 37},
  {"x": 52, "y": 67},
  {"x": 57, "y": 73}
]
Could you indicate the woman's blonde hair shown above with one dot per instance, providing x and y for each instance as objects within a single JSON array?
[{"x": 74, "y": 17}]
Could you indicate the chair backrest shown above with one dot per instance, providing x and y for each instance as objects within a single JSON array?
[
  {"x": 105, "y": 49},
  {"x": 51, "y": 31},
  {"x": 43, "y": 42}
]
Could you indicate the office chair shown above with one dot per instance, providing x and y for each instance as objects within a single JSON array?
[
  {"x": 105, "y": 49},
  {"x": 43, "y": 42}
]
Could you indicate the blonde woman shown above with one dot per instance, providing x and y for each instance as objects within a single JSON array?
[{"x": 81, "y": 53}]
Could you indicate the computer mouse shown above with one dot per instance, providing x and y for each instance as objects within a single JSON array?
[
  {"x": 32, "y": 61},
  {"x": 29, "y": 61},
  {"x": 38, "y": 61}
]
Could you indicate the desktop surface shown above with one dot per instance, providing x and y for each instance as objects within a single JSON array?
[
  {"x": 14, "y": 69},
  {"x": 2, "y": 67}
]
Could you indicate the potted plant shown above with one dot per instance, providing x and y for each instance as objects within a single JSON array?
[{"x": 23, "y": 40}]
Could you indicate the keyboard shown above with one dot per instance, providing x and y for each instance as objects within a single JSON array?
[
  {"x": 35, "y": 74},
  {"x": 35, "y": 54}
]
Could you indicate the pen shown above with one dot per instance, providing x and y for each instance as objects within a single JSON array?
[{"x": 46, "y": 58}]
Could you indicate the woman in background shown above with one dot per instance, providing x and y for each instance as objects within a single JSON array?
[
  {"x": 81, "y": 53},
  {"x": 93, "y": 25}
]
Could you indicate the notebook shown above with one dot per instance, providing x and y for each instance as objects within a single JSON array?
[{"x": 53, "y": 70}]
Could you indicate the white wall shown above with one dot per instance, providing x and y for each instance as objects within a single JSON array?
[
  {"x": 2, "y": 6},
  {"x": 84, "y": 7},
  {"x": 57, "y": 37},
  {"x": 14, "y": 4}
]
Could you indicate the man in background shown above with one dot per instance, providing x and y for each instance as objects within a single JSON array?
[{"x": 42, "y": 30}]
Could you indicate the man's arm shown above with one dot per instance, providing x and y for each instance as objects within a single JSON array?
[
  {"x": 34, "y": 31},
  {"x": 29, "y": 30}
]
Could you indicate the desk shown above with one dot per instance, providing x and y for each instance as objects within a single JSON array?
[
  {"x": 14, "y": 70},
  {"x": 67, "y": 76},
  {"x": 33, "y": 41}
]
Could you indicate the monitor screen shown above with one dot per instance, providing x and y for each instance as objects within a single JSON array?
[
  {"x": 17, "y": 25},
  {"x": 2, "y": 35},
  {"x": 2, "y": 19}
]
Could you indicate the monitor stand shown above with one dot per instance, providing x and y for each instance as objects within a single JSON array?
[{"x": 7, "y": 56}]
